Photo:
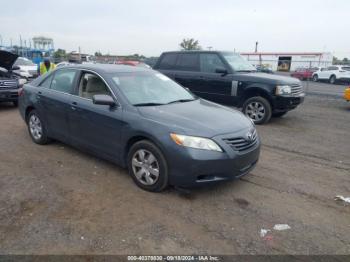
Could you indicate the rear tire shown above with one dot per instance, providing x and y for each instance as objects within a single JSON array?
[
  {"x": 315, "y": 78},
  {"x": 332, "y": 79},
  {"x": 258, "y": 109},
  {"x": 279, "y": 114},
  {"x": 37, "y": 128},
  {"x": 147, "y": 166}
]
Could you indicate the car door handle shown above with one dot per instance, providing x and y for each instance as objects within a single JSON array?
[{"x": 73, "y": 107}]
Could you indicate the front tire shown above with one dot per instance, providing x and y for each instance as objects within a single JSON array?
[
  {"x": 315, "y": 78},
  {"x": 332, "y": 79},
  {"x": 37, "y": 128},
  {"x": 147, "y": 166},
  {"x": 258, "y": 109}
]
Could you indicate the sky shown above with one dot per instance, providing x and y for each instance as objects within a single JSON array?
[{"x": 150, "y": 27}]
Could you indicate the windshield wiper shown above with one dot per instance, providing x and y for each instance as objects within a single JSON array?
[
  {"x": 181, "y": 101},
  {"x": 148, "y": 104}
]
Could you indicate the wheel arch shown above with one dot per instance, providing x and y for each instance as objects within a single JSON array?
[
  {"x": 136, "y": 138},
  {"x": 28, "y": 110},
  {"x": 256, "y": 91}
]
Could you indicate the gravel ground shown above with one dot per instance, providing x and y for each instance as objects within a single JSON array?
[{"x": 57, "y": 200}]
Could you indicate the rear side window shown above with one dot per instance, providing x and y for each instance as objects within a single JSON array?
[
  {"x": 210, "y": 62},
  {"x": 168, "y": 61},
  {"x": 332, "y": 68},
  {"x": 47, "y": 82},
  {"x": 63, "y": 80},
  {"x": 187, "y": 62}
]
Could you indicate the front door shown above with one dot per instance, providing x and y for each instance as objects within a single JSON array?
[
  {"x": 214, "y": 86},
  {"x": 96, "y": 128}
]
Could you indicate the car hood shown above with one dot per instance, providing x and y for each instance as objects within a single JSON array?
[
  {"x": 7, "y": 59},
  {"x": 267, "y": 78},
  {"x": 197, "y": 118}
]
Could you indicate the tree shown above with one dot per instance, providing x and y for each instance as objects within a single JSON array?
[
  {"x": 60, "y": 54},
  {"x": 98, "y": 53},
  {"x": 345, "y": 61},
  {"x": 190, "y": 44}
]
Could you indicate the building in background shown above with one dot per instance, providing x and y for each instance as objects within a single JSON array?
[{"x": 289, "y": 61}]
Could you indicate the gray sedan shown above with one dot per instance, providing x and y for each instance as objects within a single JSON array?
[{"x": 140, "y": 119}]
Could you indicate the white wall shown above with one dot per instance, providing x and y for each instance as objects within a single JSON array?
[{"x": 323, "y": 60}]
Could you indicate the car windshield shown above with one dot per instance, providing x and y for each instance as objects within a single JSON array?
[
  {"x": 150, "y": 88},
  {"x": 238, "y": 63},
  {"x": 23, "y": 62}
]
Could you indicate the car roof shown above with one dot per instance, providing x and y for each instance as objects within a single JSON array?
[{"x": 108, "y": 68}]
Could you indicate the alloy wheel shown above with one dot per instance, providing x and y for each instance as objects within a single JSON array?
[
  {"x": 145, "y": 167},
  {"x": 255, "y": 110},
  {"x": 35, "y": 127}
]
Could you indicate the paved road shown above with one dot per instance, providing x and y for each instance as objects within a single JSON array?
[{"x": 55, "y": 199}]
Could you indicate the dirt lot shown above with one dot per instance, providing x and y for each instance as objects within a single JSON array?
[{"x": 57, "y": 200}]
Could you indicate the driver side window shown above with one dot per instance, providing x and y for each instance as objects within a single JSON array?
[
  {"x": 210, "y": 62},
  {"x": 90, "y": 85}
]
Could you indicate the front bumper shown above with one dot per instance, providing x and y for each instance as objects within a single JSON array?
[
  {"x": 194, "y": 167},
  {"x": 286, "y": 103},
  {"x": 9, "y": 95}
]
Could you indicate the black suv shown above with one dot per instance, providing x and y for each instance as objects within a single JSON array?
[
  {"x": 10, "y": 82},
  {"x": 227, "y": 78}
]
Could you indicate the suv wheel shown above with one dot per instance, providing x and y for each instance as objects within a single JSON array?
[
  {"x": 147, "y": 166},
  {"x": 37, "y": 129},
  {"x": 258, "y": 109},
  {"x": 315, "y": 78},
  {"x": 332, "y": 79}
]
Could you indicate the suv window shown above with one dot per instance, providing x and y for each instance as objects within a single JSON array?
[
  {"x": 187, "y": 62},
  {"x": 346, "y": 68},
  {"x": 90, "y": 85},
  {"x": 168, "y": 61},
  {"x": 47, "y": 82},
  {"x": 332, "y": 68},
  {"x": 210, "y": 62},
  {"x": 63, "y": 80}
]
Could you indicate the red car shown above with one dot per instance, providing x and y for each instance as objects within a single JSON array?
[
  {"x": 132, "y": 63},
  {"x": 304, "y": 73}
]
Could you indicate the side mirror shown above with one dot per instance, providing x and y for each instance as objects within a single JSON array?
[
  {"x": 16, "y": 68},
  {"x": 103, "y": 100},
  {"x": 221, "y": 71}
]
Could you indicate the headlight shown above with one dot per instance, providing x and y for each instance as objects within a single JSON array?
[
  {"x": 283, "y": 90},
  {"x": 22, "y": 81},
  {"x": 195, "y": 142}
]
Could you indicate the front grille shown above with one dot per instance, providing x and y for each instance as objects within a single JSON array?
[
  {"x": 8, "y": 84},
  {"x": 242, "y": 143},
  {"x": 297, "y": 90}
]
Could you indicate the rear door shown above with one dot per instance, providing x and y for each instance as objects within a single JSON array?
[
  {"x": 54, "y": 100},
  {"x": 214, "y": 86}
]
